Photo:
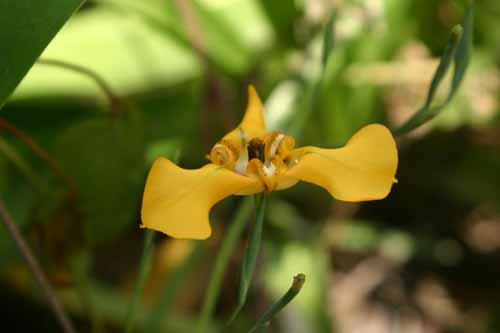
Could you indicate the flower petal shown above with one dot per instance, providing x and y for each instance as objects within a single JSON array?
[
  {"x": 253, "y": 124},
  {"x": 363, "y": 169},
  {"x": 177, "y": 201}
]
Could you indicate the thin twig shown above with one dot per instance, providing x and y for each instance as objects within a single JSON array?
[
  {"x": 40, "y": 152},
  {"x": 114, "y": 99},
  {"x": 35, "y": 268},
  {"x": 193, "y": 30}
]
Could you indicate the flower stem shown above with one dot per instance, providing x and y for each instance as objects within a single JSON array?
[
  {"x": 80, "y": 266},
  {"x": 35, "y": 268},
  {"x": 144, "y": 269},
  {"x": 227, "y": 248},
  {"x": 298, "y": 282},
  {"x": 251, "y": 254}
]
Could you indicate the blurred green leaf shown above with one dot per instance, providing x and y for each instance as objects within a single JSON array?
[
  {"x": 137, "y": 58},
  {"x": 172, "y": 286},
  {"x": 105, "y": 158},
  {"x": 144, "y": 270},
  {"x": 328, "y": 39},
  {"x": 27, "y": 27},
  {"x": 282, "y": 15},
  {"x": 221, "y": 262}
]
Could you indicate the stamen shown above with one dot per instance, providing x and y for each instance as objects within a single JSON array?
[
  {"x": 269, "y": 170},
  {"x": 242, "y": 162},
  {"x": 275, "y": 145}
]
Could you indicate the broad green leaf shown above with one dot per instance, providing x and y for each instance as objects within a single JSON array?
[
  {"x": 137, "y": 58},
  {"x": 26, "y": 27},
  {"x": 105, "y": 159}
]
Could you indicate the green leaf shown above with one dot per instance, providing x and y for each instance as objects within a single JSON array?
[
  {"x": 27, "y": 26},
  {"x": 458, "y": 51},
  {"x": 275, "y": 308},
  {"x": 282, "y": 15},
  {"x": 105, "y": 158},
  {"x": 328, "y": 39},
  {"x": 144, "y": 270},
  {"x": 221, "y": 262},
  {"x": 251, "y": 254}
]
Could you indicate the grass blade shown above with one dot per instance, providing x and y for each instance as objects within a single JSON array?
[
  {"x": 298, "y": 282},
  {"x": 457, "y": 52},
  {"x": 251, "y": 254}
]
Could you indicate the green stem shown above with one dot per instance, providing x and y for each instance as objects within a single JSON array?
[
  {"x": 298, "y": 282},
  {"x": 225, "y": 252},
  {"x": 251, "y": 254},
  {"x": 114, "y": 100},
  {"x": 80, "y": 265},
  {"x": 144, "y": 269}
]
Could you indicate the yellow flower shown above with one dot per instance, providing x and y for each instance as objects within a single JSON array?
[{"x": 249, "y": 160}]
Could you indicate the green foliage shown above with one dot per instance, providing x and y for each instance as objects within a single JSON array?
[
  {"x": 104, "y": 157},
  {"x": 457, "y": 51},
  {"x": 27, "y": 28},
  {"x": 370, "y": 61}
]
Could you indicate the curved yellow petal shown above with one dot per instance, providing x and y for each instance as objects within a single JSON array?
[
  {"x": 253, "y": 124},
  {"x": 177, "y": 201},
  {"x": 363, "y": 169}
]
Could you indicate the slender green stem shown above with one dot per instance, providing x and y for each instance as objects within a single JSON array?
[
  {"x": 114, "y": 100},
  {"x": 251, "y": 254},
  {"x": 144, "y": 269},
  {"x": 36, "y": 269},
  {"x": 80, "y": 265},
  {"x": 298, "y": 282},
  {"x": 227, "y": 249}
]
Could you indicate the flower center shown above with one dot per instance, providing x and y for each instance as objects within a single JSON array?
[
  {"x": 265, "y": 157},
  {"x": 256, "y": 149}
]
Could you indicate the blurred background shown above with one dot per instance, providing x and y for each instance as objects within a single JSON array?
[{"x": 426, "y": 259}]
